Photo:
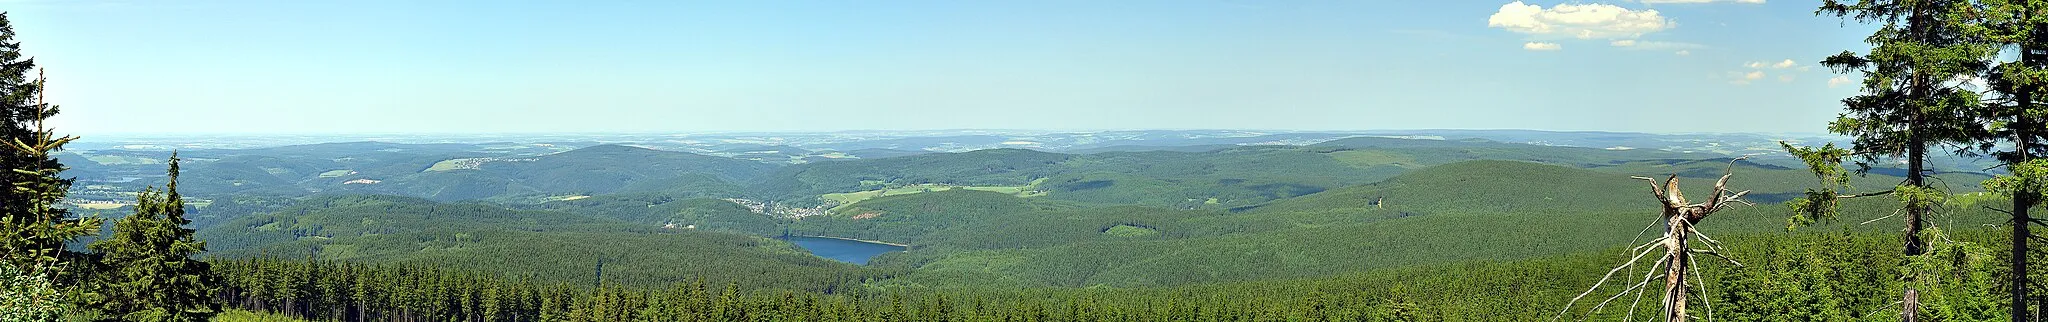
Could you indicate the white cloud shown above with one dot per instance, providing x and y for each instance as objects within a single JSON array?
[
  {"x": 1684, "y": 52},
  {"x": 1783, "y": 64},
  {"x": 1757, "y": 68},
  {"x": 1542, "y": 46},
  {"x": 1632, "y": 44},
  {"x": 1838, "y": 81},
  {"x": 1741, "y": 78},
  {"x": 1583, "y": 21},
  {"x": 1699, "y": 1}
]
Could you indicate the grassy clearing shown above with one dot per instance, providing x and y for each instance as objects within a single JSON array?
[
  {"x": 336, "y": 173},
  {"x": 121, "y": 160},
  {"x": 1130, "y": 231},
  {"x": 457, "y": 164},
  {"x": 849, "y": 198},
  {"x": 101, "y": 206}
]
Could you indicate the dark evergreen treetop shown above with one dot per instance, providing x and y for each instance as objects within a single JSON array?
[
  {"x": 32, "y": 229},
  {"x": 148, "y": 271},
  {"x": 1913, "y": 88}
]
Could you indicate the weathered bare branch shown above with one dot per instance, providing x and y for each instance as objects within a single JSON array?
[
  {"x": 1894, "y": 214},
  {"x": 1653, "y": 242},
  {"x": 1646, "y": 280},
  {"x": 1655, "y": 191},
  {"x": 1736, "y": 198},
  {"x": 1637, "y": 286},
  {"x": 1718, "y": 254},
  {"x": 1721, "y": 186},
  {"x": 1710, "y": 242},
  {"x": 1603, "y": 279},
  {"x": 1706, "y": 296}
]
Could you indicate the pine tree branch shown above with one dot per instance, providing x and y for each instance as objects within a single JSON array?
[{"x": 1868, "y": 194}]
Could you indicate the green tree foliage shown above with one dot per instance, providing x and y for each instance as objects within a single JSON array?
[
  {"x": 2017, "y": 116},
  {"x": 147, "y": 271},
  {"x": 33, "y": 229},
  {"x": 28, "y": 296},
  {"x": 1812, "y": 276},
  {"x": 1823, "y": 203},
  {"x": 1911, "y": 97}
]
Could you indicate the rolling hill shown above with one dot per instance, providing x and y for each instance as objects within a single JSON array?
[
  {"x": 552, "y": 246},
  {"x": 1476, "y": 210}
]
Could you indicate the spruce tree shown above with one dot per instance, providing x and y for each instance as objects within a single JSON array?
[
  {"x": 150, "y": 274},
  {"x": 33, "y": 229},
  {"x": 1911, "y": 100},
  {"x": 2018, "y": 115}
]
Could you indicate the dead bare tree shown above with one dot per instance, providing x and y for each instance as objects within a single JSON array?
[{"x": 1676, "y": 267}]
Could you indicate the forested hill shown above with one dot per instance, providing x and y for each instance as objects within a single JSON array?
[
  {"x": 962, "y": 235},
  {"x": 1220, "y": 177},
  {"x": 999, "y": 223},
  {"x": 1534, "y": 232},
  {"x": 549, "y": 246},
  {"x": 997, "y": 167}
]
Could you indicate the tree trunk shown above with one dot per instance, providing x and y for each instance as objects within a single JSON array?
[
  {"x": 2020, "y": 235},
  {"x": 2023, "y": 199},
  {"x": 1916, "y": 153},
  {"x": 1909, "y": 307},
  {"x": 1676, "y": 232}
]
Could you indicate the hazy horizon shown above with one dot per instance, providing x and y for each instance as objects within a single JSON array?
[
  {"x": 464, "y": 67},
  {"x": 958, "y": 131}
]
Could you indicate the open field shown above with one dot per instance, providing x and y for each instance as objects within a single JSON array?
[
  {"x": 457, "y": 164},
  {"x": 336, "y": 173},
  {"x": 121, "y": 160},
  {"x": 850, "y": 198},
  {"x": 101, "y": 206}
]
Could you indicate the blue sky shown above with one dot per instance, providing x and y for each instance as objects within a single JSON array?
[{"x": 696, "y": 66}]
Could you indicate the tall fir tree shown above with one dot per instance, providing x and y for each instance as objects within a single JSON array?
[
  {"x": 2015, "y": 110},
  {"x": 149, "y": 271},
  {"x": 33, "y": 230},
  {"x": 1912, "y": 100}
]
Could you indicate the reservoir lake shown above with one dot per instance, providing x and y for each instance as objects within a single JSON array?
[{"x": 850, "y": 251}]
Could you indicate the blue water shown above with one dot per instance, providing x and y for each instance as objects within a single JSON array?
[{"x": 855, "y": 252}]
